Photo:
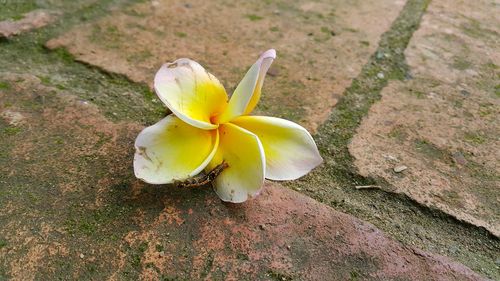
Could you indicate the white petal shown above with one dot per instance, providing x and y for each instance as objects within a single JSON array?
[
  {"x": 173, "y": 150},
  {"x": 247, "y": 93},
  {"x": 290, "y": 150},
  {"x": 193, "y": 94},
  {"x": 243, "y": 152}
]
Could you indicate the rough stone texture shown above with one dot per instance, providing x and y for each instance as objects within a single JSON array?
[
  {"x": 321, "y": 45},
  {"x": 70, "y": 206},
  {"x": 444, "y": 123},
  {"x": 32, "y": 20}
]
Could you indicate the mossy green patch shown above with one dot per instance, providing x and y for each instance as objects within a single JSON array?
[
  {"x": 399, "y": 133},
  {"x": 278, "y": 276},
  {"x": 10, "y": 131},
  {"x": 180, "y": 34},
  {"x": 476, "y": 138},
  {"x": 453, "y": 198},
  {"x": 4, "y": 85},
  {"x": 274, "y": 29},
  {"x": 475, "y": 29},
  {"x": 364, "y": 43},
  {"x": 431, "y": 151},
  {"x": 14, "y": 10},
  {"x": 3, "y": 243},
  {"x": 253, "y": 17},
  {"x": 461, "y": 63}
]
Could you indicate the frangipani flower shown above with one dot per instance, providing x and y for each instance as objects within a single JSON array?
[{"x": 206, "y": 129}]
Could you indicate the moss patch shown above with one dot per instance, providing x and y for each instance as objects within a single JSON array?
[{"x": 14, "y": 10}]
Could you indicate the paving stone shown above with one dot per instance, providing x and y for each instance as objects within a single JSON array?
[
  {"x": 321, "y": 45},
  {"x": 70, "y": 206},
  {"x": 444, "y": 123}
]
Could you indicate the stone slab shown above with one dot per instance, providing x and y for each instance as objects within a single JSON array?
[
  {"x": 321, "y": 45},
  {"x": 444, "y": 123},
  {"x": 71, "y": 208}
]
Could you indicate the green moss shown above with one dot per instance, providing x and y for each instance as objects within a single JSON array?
[
  {"x": 351, "y": 29},
  {"x": 417, "y": 93},
  {"x": 14, "y": 10},
  {"x": 45, "y": 80},
  {"x": 92, "y": 223},
  {"x": 209, "y": 263},
  {"x": 159, "y": 248},
  {"x": 10, "y": 131},
  {"x": 140, "y": 56},
  {"x": 4, "y": 85},
  {"x": 461, "y": 63},
  {"x": 278, "y": 276},
  {"x": 491, "y": 65},
  {"x": 180, "y": 34},
  {"x": 453, "y": 198},
  {"x": 399, "y": 133},
  {"x": 253, "y": 17},
  {"x": 474, "y": 29},
  {"x": 474, "y": 138},
  {"x": 3, "y": 243},
  {"x": 353, "y": 275},
  {"x": 430, "y": 150}
]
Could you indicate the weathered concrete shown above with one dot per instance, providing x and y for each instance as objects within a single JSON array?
[
  {"x": 444, "y": 123},
  {"x": 321, "y": 45}
]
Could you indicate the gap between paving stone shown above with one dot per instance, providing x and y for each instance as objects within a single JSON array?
[{"x": 375, "y": 206}]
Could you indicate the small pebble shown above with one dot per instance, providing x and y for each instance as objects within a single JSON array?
[
  {"x": 399, "y": 169},
  {"x": 459, "y": 158},
  {"x": 464, "y": 93},
  {"x": 380, "y": 75},
  {"x": 273, "y": 72},
  {"x": 432, "y": 95},
  {"x": 390, "y": 157},
  {"x": 82, "y": 256}
]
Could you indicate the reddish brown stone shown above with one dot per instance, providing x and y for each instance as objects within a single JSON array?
[
  {"x": 313, "y": 66},
  {"x": 70, "y": 207},
  {"x": 444, "y": 123}
]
